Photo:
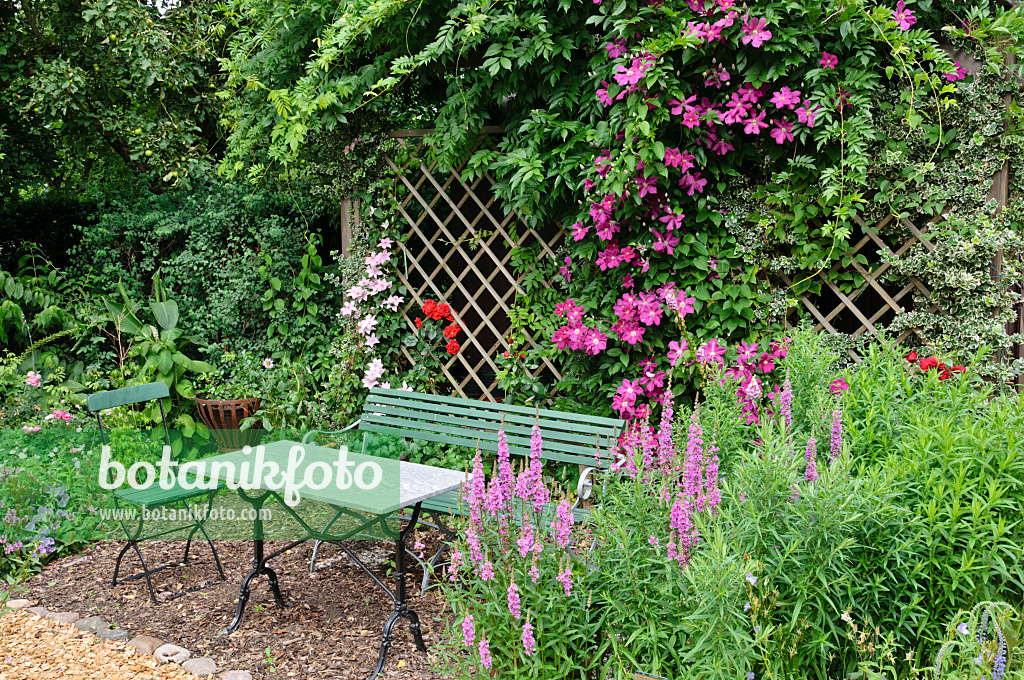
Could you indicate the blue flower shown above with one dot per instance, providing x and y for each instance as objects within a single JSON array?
[
  {"x": 963, "y": 629},
  {"x": 751, "y": 579},
  {"x": 750, "y": 675}
]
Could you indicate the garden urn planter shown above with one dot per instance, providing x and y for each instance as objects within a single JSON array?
[{"x": 224, "y": 418}]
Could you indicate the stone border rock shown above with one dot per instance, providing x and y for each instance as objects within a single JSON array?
[{"x": 145, "y": 644}]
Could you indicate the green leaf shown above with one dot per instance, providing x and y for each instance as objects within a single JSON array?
[{"x": 165, "y": 313}]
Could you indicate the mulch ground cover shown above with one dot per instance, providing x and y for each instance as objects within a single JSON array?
[{"x": 331, "y": 629}]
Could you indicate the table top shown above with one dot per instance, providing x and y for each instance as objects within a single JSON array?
[{"x": 338, "y": 477}]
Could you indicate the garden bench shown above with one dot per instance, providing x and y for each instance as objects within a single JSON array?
[{"x": 583, "y": 440}]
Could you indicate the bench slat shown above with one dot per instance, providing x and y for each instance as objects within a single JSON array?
[
  {"x": 565, "y": 441},
  {"x": 548, "y": 426},
  {"x": 599, "y": 421},
  {"x": 485, "y": 445},
  {"x": 469, "y": 436}
]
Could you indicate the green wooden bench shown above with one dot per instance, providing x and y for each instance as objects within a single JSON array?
[
  {"x": 153, "y": 496},
  {"x": 583, "y": 440}
]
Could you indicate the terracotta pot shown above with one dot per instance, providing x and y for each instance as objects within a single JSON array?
[{"x": 224, "y": 417}]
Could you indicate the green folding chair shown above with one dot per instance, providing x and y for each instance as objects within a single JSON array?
[{"x": 153, "y": 496}]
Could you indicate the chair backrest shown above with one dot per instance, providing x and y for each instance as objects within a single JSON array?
[
  {"x": 127, "y": 395},
  {"x": 568, "y": 437},
  {"x": 136, "y": 394}
]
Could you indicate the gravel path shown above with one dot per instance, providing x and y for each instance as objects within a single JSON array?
[{"x": 34, "y": 649}]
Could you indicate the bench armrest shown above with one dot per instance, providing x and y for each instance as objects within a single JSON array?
[{"x": 309, "y": 435}]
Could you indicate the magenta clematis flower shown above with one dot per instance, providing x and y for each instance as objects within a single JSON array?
[
  {"x": 676, "y": 159},
  {"x": 829, "y": 61},
  {"x": 755, "y": 123},
  {"x": 664, "y": 243},
  {"x": 711, "y": 352},
  {"x": 630, "y": 332},
  {"x": 786, "y": 98},
  {"x": 959, "y": 74},
  {"x": 904, "y": 17},
  {"x": 673, "y": 219},
  {"x": 579, "y": 232},
  {"x": 676, "y": 350},
  {"x": 595, "y": 342},
  {"x": 782, "y": 132},
  {"x": 755, "y": 32},
  {"x": 646, "y": 185},
  {"x": 616, "y": 48},
  {"x": 806, "y": 115},
  {"x": 693, "y": 183}
]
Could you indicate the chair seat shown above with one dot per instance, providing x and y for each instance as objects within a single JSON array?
[{"x": 154, "y": 495}]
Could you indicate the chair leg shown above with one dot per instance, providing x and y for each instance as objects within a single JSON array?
[
  {"x": 188, "y": 545},
  {"x": 199, "y": 527},
  {"x": 145, "y": 569},
  {"x": 312, "y": 561}
]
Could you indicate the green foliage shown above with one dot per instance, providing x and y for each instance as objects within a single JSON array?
[{"x": 110, "y": 94}]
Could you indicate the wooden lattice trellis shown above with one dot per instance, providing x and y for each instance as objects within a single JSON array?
[
  {"x": 879, "y": 298},
  {"x": 458, "y": 250}
]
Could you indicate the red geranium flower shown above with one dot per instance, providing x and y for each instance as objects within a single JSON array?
[
  {"x": 418, "y": 321},
  {"x": 453, "y": 347},
  {"x": 929, "y": 363},
  {"x": 428, "y": 308},
  {"x": 451, "y": 331},
  {"x": 912, "y": 357}
]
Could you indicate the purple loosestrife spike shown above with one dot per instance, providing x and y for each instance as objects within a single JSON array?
[
  {"x": 714, "y": 495},
  {"x": 563, "y": 524},
  {"x": 506, "y": 480},
  {"x": 473, "y": 541},
  {"x": 666, "y": 448},
  {"x": 525, "y": 543},
  {"x": 837, "y": 434},
  {"x": 786, "y": 404},
  {"x": 647, "y": 445},
  {"x": 485, "y": 653},
  {"x": 487, "y": 571},
  {"x": 565, "y": 578},
  {"x": 454, "y": 565},
  {"x": 533, "y": 573},
  {"x": 811, "y": 471},
  {"x": 494, "y": 501},
  {"x": 529, "y": 644},
  {"x": 468, "y": 634},
  {"x": 514, "y": 605},
  {"x": 692, "y": 482}
]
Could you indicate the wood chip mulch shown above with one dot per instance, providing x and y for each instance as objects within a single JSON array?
[
  {"x": 331, "y": 628},
  {"x": 34, "y": 649}
]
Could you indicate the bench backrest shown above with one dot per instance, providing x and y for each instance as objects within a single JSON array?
[{"x": 568, "y": 437}]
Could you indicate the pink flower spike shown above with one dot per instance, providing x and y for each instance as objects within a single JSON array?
[{"x": 829, "y": 61}]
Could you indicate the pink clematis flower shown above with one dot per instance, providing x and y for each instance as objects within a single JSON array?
[
  {"x": 829, "y": 61},
  {"x": 616, "y": 48},
  {"x": 755, "y": 32},
  {"x": 806, "y": 115},
  {"x": 904, "y": 17},
  {"x": 711, "y": 352},
  {"x": 959, "y": 74},
  {"x": 676, "y": 350},
  {"x": 786, "y": 98},
  {"x": 783, "y": 132},
  {"x": 754, "y": 124}
]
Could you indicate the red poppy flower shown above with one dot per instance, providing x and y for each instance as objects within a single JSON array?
[
  {"x": 418, "y": 322},
  {"x": 441, "y": 311},
  {"x": 912, "y": 357},
  {"x": 929, "y": 363},
  {"x": 428, "y": 308},
  {"x": 453, "y": 347},
  {"x": 451, "y": 331}
]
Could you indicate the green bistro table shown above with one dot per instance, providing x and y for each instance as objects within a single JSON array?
[{"x": 362, "y": 493}]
